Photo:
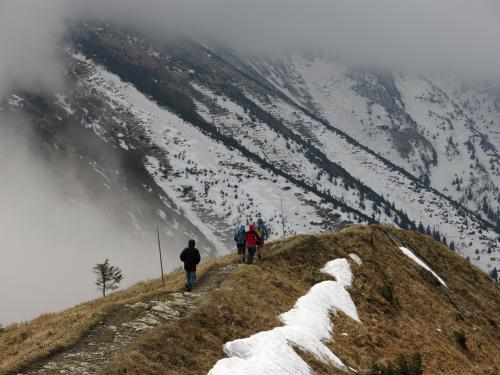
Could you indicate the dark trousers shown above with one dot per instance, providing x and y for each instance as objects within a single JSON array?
[
  {"x": 241, "y": 249},
  {"x": 190, "y": 279},
  {"x": 251, "y": 254}
]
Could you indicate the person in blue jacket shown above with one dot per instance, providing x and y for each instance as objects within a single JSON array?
[{"x": 241, "y": 243}]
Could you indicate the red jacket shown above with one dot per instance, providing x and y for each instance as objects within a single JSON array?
[{"x": 252, "y": 239}]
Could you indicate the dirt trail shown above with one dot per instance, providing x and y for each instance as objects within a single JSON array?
[{"x": 122, "y": 327}]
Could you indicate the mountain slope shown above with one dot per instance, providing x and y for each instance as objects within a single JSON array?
[
  {"x": 439, "y": 128},
  {"x": 318, "y": 164},
  {"x": 82, "y": 136},
  {"x": 224, "y": 138}
]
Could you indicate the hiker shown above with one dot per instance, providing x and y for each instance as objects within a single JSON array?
[
  {"x": 239, "y": 238},
  {"x": 263, "y": 233},
  {"x": 191, "y": 258},
  {"x": 252, "y": 241}
]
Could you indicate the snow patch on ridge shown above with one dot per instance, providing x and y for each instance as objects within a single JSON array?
[
  {"x": 307, "y": 326},
  {"x": 417, "y": 260}
]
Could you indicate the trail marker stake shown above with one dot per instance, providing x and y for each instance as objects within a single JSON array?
[
  {"x": 161, "y": 261},
  {"x": 282, "y": 218}
]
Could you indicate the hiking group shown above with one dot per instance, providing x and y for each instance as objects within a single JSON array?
[
  {"x": 251, "y": 241},
  {"x": 247, "y": 242}
]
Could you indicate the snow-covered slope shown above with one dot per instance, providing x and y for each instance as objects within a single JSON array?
[
  {"x": 216, "y": 188},
  {"x": 438, "y": 128},
  {"x": 305, "y": 141},
  {"x": 238, "y": 146}
]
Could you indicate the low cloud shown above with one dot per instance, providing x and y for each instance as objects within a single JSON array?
[
  {"x": 53, "y": 232},
  {"x": 446, "y": 35},
  {"x": 29, "y": 35},
  {"x": 424, "y": 34}
]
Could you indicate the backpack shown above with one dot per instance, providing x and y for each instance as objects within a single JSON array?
[
  {"x": 252, "y": 239},
  {"x": 239, "y": 236},
  {"x": 261, "y": 232}
]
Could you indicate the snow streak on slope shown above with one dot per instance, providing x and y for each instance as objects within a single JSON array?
[
  {"x": 276, "y": 147},
  {"x": 236, "y": 109},
  {"x": 421, "y": 263},
  {"x": 306, "y": 326},
  {"x": 421, "y": 204},
  {"x": 214, "y": 187},
  {"x": 371, "y": 109},
  {"x": 437, "y": 127},
  {"x": 356, "y": 259},
  {"x": 463, "y": 124}
]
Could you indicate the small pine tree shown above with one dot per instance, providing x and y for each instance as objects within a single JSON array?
[
  {"x": 404, "y": 223},
  {"x": 426, "y": 180},
  {"x": 452, "y": 245},
  {"x": 494, "y": 274},
  {"x": 421, "y": 227},
  {"x": 469, "y": 195},
  {"x": 436, "y": 235},
  {"x": 108, "y": 277},
  {"x": 413, "y": 226}
]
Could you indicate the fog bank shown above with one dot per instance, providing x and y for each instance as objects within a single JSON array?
[
  {"x": 416, "y": 34},
  {"x": 459, "y": 35},
  {"x": 29, "y": 34},
  {"x": 53, "y": 234}
]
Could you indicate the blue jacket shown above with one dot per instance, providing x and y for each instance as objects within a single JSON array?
[{"x": 239, "y": 236}]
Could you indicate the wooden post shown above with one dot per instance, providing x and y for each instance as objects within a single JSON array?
[
  {"x": 282, "y": 219},
  {"x": 161, "y": 261}
]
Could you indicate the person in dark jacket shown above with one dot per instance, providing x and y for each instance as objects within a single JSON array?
[
  {"x": 191, "y": 258},
  {"x": 239, "y": 238},
  {"x": 252, "y": 241},
  {"x": 263, "y": 233}
]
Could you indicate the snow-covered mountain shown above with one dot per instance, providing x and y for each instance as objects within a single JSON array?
[
  {"x": 438, "y": 128},
  {"x": 211, "y": 138}
]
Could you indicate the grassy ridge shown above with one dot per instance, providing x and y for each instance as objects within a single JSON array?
[
  {"x": 404, "y": 310},
  {"x": 23, "y": 343}
]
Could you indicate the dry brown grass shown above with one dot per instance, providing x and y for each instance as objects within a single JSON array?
[
  {"x": 401, "y": 307},
  {"x": 21, "y": 344},
  {"x": 400, "y": 304},
  {"x": 410, "y": 323}
]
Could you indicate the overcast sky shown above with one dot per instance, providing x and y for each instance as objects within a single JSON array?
[{"x": 425, "y": 34}]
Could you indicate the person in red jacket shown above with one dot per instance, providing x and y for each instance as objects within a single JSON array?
[{"x": 252, "y": 241}]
